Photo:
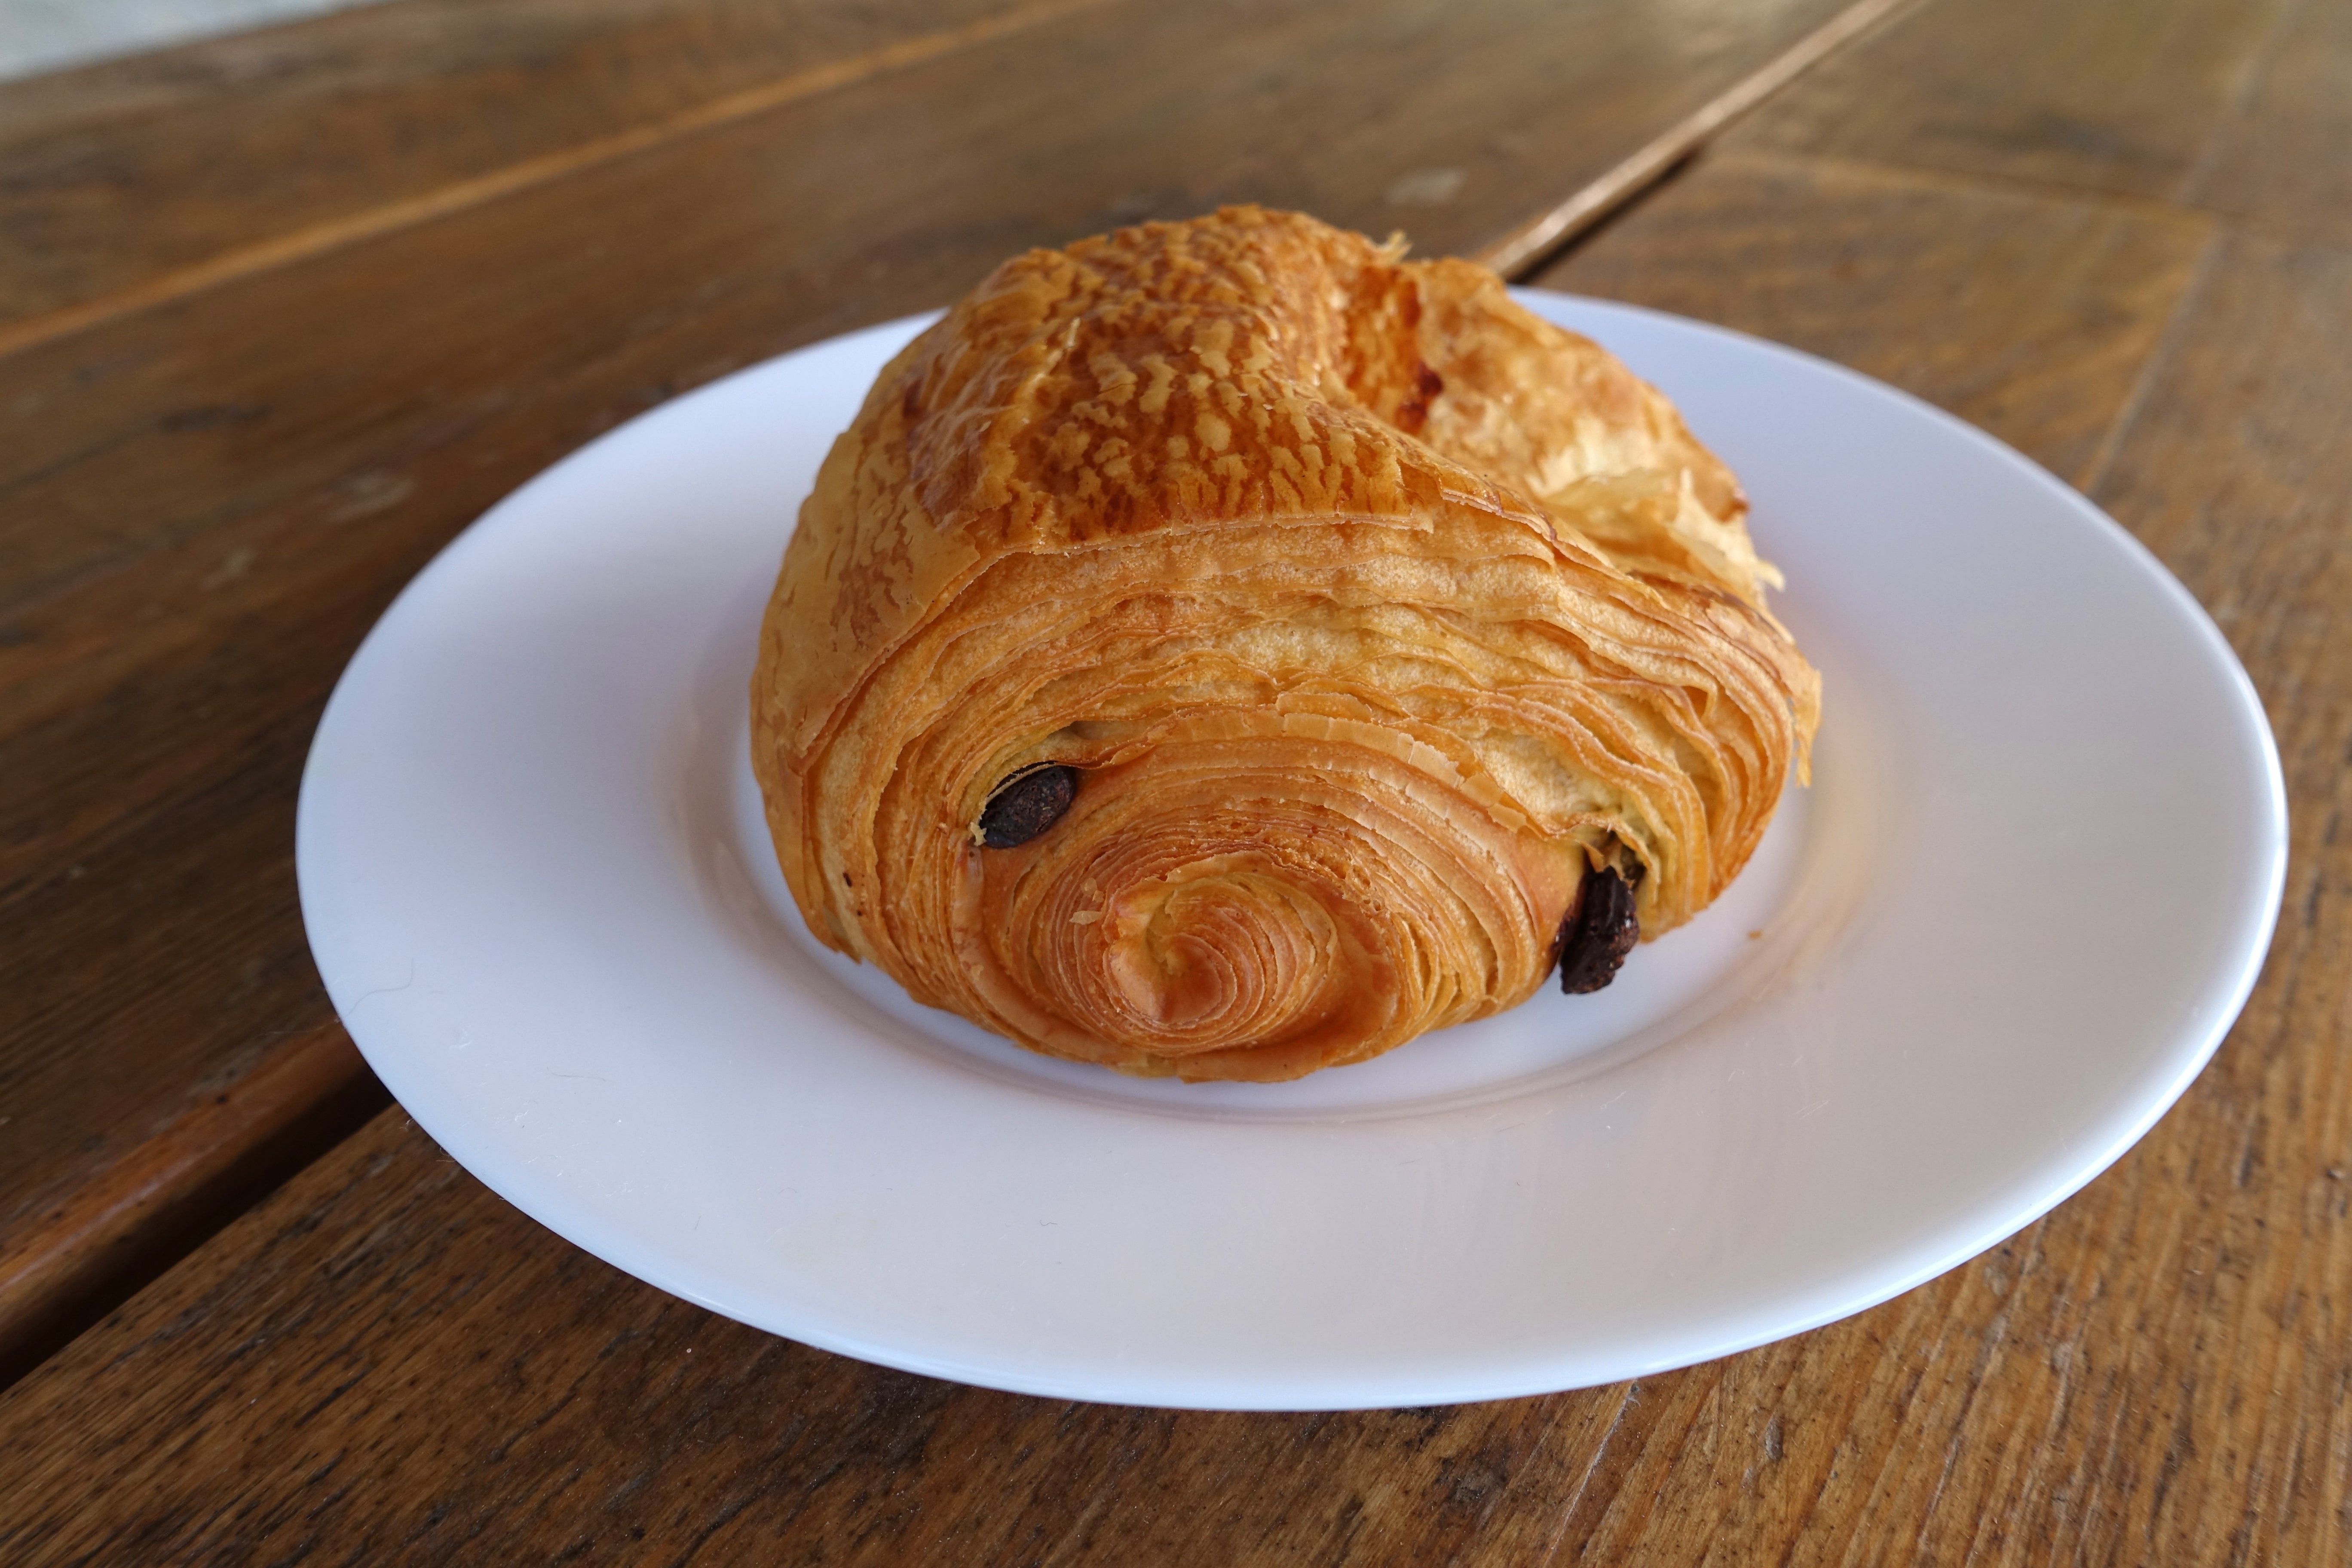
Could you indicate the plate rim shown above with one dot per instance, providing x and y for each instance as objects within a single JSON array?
[{"x": 2243, "y": 972}]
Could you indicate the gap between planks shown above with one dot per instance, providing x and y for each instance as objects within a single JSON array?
[
  {"x": 1537, "y": 241},
  {"x": 80, "y": 1256},
  {"x": 318, "y": 239},
  {"x": 1515, "y": 254}
]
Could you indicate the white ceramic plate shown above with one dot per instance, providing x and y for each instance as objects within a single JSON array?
[{"x": 2025, "y": 896}]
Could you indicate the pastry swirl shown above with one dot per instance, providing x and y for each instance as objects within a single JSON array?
[{"x": 1230, "y": 649}]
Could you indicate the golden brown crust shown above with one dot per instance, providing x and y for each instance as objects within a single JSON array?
[{"x": 1373, "y": 609}]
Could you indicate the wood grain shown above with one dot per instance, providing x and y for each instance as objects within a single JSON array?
[
  {"x": 193, "y": 1175},
  {"x": 1485, "y": 91},
  {"x": 2027, "y": 312},
  {"x": 1527, "y": 243},
  {"x": 2154, "y": 1373},
  {"x": 115, "y": 174},
  {"x": 2100, "y": 95},
  {"x": 384, "y": 1364},
  {"x": 2236, "y": 474},
  {"x": 204, "y": 503},
  {"x": 153, "y": 428},
  {"x": 2282, "y": 161}
]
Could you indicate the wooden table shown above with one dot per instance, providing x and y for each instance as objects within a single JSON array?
[{"x": 280, "y": 314}]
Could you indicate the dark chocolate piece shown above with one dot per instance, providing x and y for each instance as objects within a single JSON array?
[
  {"x": 1598, "y": 932},
  {"x": 1027, "y": 804}
]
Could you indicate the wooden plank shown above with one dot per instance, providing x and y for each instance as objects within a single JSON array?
[
  {"x": 206, "y": 501},
  {"x": 2284, "y": 160},
  {"x": 2236, "y": 473},
  {"x": 2104, "y": 96},
  {"x": 115, "y": 174},
  {"x": 166, "y": 1036},
  {"x": 2152, "y": 1374},
  {"x": 1533, "y": 238},
  {"x": 1920, "y": 281},
  {"x": 1473, "y": 98},
  {"x": 1110, "y": 124},
  {"x": 193, "y": 1175},
  {"x": 204, "y": 973}
]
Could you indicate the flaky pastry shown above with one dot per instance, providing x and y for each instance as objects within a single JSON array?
[{"x": 1230, "y": 649}]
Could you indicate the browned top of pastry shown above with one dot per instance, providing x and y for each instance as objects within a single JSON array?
[
  {"x": 1248, "y": 367},
  {"x": 1364, "y": 613}
]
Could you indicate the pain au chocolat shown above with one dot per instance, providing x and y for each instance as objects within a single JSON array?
[{"x": 1227, "y": 648}]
